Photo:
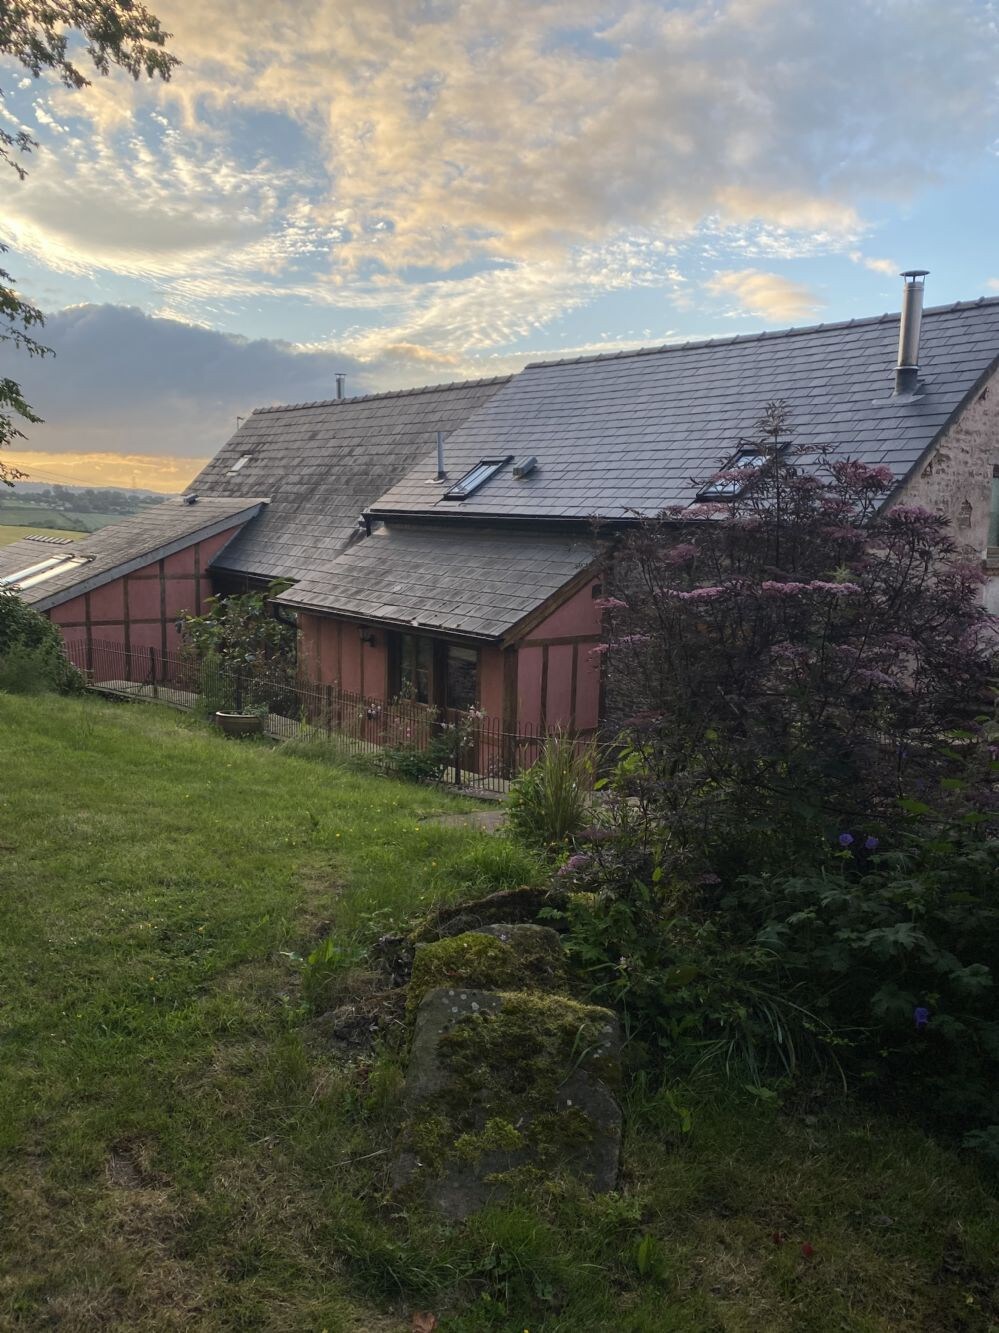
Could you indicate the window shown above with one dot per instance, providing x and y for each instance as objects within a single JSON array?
[
  {"x": 478, "y": 476},
  {"x": 462, "y": 677},
  {"x": 240, "y": 463},
  {"x": 433, "y": 671},
  {"x": 415, "y": 668},
  {"x": 726, "y": 488},
  {"x": 32, "y": 575}
]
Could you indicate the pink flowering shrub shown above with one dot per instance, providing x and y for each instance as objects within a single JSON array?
[
  {"x": 797, "y": 863},
  {"x": 791, "y": 662}
]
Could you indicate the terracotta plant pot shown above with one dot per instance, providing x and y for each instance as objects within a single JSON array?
[{"x": 240, "y": 724}]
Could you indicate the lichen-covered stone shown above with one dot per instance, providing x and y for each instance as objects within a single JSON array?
[
  {"x": 495, "y": 958},
  {"x": 506, "y": 905},
  {"x": 508, "y": 1085}
]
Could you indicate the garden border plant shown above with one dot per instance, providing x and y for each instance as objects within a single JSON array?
[{"x": 797, "y": 864}]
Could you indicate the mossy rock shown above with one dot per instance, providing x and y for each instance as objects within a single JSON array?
[
  {"x": 502, "y": 957},
  {"x": 507, "y": 906},
  {"x": 507, "y": 1087}
]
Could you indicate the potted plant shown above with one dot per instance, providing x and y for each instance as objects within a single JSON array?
[
  {"x": 240, "y": 724},
  {"x": 241, "y": 649}
]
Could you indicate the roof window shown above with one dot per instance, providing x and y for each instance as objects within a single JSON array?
[
  {"x": 43, "y": 570},
  {"x": 725, "y": 486},
  {"x": 240, "y": 463},
  {"x": 476, "y": 477}
]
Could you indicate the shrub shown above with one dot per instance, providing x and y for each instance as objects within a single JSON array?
[
  {"x": 549, "y": 804},
  {"x": 435, "y": 749},
  {"x": 32, "y": 658},
  {"x": 900, "y": 952},
  {"x": 880, "y": 958},
  {"x": 785, "y": 664},
  {"x": 242, "y": 655},
  {"x": 799, "y": 863}
]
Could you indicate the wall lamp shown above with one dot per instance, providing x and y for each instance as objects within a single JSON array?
[{"x": 367, "y": 636}]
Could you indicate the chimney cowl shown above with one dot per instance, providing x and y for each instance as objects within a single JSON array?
[
  {"x": 341, "y": 382},
  {"x": 907, "y": 369}
]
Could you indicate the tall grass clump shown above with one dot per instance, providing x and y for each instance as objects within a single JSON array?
[{"x": 549, "y": 804}]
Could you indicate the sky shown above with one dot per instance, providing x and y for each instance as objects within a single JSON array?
[{"x": 418, "y": 191}]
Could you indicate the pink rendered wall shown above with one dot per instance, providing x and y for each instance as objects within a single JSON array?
[
  {"x": 333, "y": 652},
  {"x": 138, "y": 611},
  {"x": 558, "y": 673},
  {"x": 491, "y": 681}
]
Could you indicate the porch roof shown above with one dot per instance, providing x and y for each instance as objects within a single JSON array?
[{"x": 480, "y": 584}]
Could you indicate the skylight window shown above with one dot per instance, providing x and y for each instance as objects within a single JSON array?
[
  {"x": 476, "y": 477},
  {"x": 725, "y": 486},
  {"x": 43, "y": 570},
  {"x": 240, "y": 463}
]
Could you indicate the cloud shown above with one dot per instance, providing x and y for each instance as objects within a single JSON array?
[
  {"x": 126, "y": 383},
  {"x": 887, "y": 266},
  {"x": 321, "y": 157},
  {"x": 767, "y": 295},
  {"x": 993, "y": 284}
]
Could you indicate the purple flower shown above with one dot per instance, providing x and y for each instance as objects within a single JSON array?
[
  {"x": 845, "y": 839},
  {"x": 679, "y": 555},
  {"x": 872, "y": 844},
  {"x": 578, "y": 862},
  {"x": 782, "y": 589},
  {"x": 921, "y": 1017}
]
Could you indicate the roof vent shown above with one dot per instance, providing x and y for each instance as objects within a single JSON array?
[
  {"x": 524, "y": 467},
  {"x": 907, "y": 370},
  {"x": 189, "y": 499},
  {"x": 341, "y": 386}
]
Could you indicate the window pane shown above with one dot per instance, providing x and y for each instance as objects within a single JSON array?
[
  {"x": 415, "y": 658},
  {"x": 462, "y": 677},
  {"x": 475, "y": 478}
]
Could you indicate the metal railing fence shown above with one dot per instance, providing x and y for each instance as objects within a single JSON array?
[{"x": 462, "y": 749}]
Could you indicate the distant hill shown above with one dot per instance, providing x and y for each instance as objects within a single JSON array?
[
  {"x": 36, "y": 487},
  {"x": 71, "y": 508}
]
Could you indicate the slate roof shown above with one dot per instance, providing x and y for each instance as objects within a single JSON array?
[
  {"x": 113, "y": 551},
  {"x": 630, "y": 430},
  {"x": 321, "y": 464},
  {"x": 478, "y": 583}
]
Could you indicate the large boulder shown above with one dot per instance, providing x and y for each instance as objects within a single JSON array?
[
  {"x": 495, "y": 958},
  {"x": 507, "y": 1087}
]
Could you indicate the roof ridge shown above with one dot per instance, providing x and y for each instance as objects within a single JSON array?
[
  {"x": 763, "y": 336},
  {"x": 386, "y": 393}
]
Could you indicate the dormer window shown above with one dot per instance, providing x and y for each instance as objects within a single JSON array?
[
  {"x": 724, "y": 485},
  {"x": 476, "y": 477}
]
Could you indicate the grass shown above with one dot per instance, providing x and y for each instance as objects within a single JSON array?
[
  {"x": 179, "y": 1148},
  {"x": 9, "y": 534}
]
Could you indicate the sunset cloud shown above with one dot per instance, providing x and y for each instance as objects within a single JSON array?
[
  {"x": 767, "y": 295},
  {"x": 422, "y": 191}
]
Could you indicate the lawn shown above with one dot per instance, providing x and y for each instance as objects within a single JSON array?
[
  {"x": 9, "y": 533},
  {"x": 181, "y": 1148}
]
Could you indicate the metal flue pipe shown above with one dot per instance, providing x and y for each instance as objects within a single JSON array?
[{"x": 907, "y": 370}]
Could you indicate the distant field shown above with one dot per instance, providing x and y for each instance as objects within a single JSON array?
[
  {"x": 56, "y": 520},
  {"x": 10, "y": 534}
]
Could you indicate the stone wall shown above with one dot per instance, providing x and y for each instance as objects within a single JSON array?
[{"x": 957, "y": 479}]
